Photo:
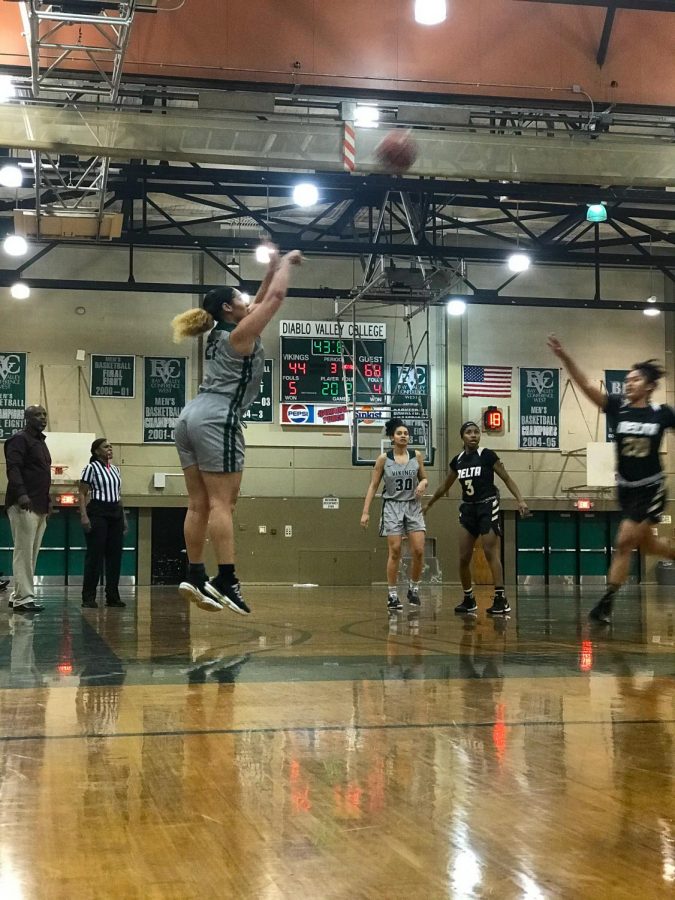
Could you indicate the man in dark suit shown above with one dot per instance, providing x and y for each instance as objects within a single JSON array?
[{"x": 27, "y": 503}]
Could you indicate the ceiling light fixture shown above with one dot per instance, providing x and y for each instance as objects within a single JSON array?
[
  {"x": 456, "y": 307},
  {"x": 20, "y": 291},
  {"x": 7, "y": 89},
  {"x": 263, "y": 254},
  {"x": 430, "y": 12},
  {"x": 11, "y": 176},
  {"x": 367, "y": 116},
  {"x": 518, "y": 262},
  {"x": 596, "y": 212},
  {"x": 305, "y": 194},
  {"x": 651, "y": 311},
  {"x": 15, "y": 245}
]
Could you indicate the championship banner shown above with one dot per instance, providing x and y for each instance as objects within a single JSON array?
[
  {"x": 539, "y": 427},
  {"x": 409, "y": 386},
  {"x": 112, "y": 376},
  {"x": 614, "y": 383},
  {"x": 410, "y": 401},
  {"x": 261, "y": 408},
  {"x": 163, "y": 397},
  {"x": 12, "y": 393}
]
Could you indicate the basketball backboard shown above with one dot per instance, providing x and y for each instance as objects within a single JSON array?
[
  {"x": 600, "y": 464},
  {"x": 70, "y": 452}
]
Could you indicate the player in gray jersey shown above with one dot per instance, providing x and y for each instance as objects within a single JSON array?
[
  {"x": 405, "y": 481},
  {"x": 209, "y": 437}
]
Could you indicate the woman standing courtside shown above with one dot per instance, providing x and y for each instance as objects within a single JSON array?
[
  {"x": 638, "y": 426},
  {"x": 209, "y": 436},
  {"x": 404, "y": 483},
  {"x": 104, "y": 524},
  {"x": 475, "y": 467}
]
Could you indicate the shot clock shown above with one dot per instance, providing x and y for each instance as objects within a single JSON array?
[
  {"x": 316, "y": 370},
  {"x": 493, "y": 420}
]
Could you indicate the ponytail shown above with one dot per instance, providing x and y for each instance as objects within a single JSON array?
[
  {"x": 191, "y": 323},
  {"x": 194, "y": 322}
]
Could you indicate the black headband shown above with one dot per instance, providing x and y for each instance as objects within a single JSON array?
[{"x": 465, "y": 426}]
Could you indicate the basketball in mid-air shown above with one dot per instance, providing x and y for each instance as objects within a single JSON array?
[{"x": 397, "y": 151}]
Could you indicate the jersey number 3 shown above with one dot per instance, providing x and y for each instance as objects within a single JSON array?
[{"x": 468, "y": 487}]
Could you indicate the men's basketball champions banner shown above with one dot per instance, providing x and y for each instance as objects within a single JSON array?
[
  {"x": 12, "y": 392},
  {"x": 539, "y": 427},
  {"x": 163, "y": 397}
]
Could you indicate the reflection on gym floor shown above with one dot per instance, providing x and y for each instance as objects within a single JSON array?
[{"x": 322, "y": 746}]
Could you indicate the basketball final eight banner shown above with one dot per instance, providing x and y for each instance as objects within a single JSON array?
[
  {"x": 12, "y": 392},
  {"x": 163, "y": 397},
  {"x": 539, "y": 409},
  {"x": 112, "y": 376}
]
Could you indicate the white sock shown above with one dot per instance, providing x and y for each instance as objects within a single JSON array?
[
  {"x": 414, "y": 586},
  {"x": 393, "y": 591}
]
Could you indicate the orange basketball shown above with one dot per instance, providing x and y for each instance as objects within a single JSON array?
[{"x": 397, "y": 151}]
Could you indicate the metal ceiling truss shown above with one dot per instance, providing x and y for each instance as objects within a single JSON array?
[
  {"x": 430, "y": 226},
  {"x": 640, "y": 5},
  {"x": 61, "y": 36},
  {"x": 391, "y": 216},
  {"x": 611, "y": 7}
]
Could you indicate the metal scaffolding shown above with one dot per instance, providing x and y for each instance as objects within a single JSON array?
[{"x": 63, "y": 37}]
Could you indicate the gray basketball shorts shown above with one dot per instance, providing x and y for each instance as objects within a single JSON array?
[
  {"x": 401, "y": 517},
  {"x": 208, "y": 437}
]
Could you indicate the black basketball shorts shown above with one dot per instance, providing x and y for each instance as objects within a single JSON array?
[
  {"x": 480, "y": 518},
  {"x": 643, "y": 504}
]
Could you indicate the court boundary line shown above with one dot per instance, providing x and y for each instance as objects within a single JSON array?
[{"x": 295, "y": 729}]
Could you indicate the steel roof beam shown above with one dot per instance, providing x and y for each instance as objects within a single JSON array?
[
  {"x": 640, "y": 5},
  {"x": 606, "y": 34}
]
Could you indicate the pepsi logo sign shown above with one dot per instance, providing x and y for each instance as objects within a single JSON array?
[{"x": 298, "y": 413}]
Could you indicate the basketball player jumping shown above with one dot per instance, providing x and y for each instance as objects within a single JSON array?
[
  {"x": 404, "y": 483},
  {"x": 209, "y": 437},
  {"x": 638, "y": 426},
  {"x": 475, "y": 467}
]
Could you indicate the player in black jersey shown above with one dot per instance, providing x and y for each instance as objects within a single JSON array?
[
  {"x": 638, "y": 426},
  {"x": 475, "y": 468}
]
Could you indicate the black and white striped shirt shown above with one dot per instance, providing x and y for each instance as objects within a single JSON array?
[{"x": 104, "y": 481}]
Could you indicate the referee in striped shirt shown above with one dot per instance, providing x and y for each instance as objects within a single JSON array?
[{"x": 104, "y": 524}]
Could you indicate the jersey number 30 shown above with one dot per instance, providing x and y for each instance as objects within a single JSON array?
[{"x": 404, "y": 485}]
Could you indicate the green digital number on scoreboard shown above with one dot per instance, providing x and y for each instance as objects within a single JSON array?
[
  {"x": 261, "y": 408},
  {"x": 322, "y": 370}
]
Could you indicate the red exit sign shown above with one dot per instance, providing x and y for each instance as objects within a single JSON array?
[
  {"x": 66, "y": 500},
  {"x": 584, "y": 504}
]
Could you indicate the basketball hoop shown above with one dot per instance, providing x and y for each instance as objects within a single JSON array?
[{"x": 59, "y": 472}]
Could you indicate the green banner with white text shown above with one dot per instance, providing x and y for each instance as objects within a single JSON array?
[
  {"x": 539, "y": 424},
  {"x": 163, "y": 397},
  {"x": 12, "y": 393}
]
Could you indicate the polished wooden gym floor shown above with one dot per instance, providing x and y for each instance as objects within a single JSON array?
[{"x": 321, "y": 748}]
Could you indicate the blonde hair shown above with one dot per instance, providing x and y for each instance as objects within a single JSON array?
[{"x": 191, "y": 323}]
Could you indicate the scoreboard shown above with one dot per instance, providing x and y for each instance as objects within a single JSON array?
[{"x": 315, "y": 370}]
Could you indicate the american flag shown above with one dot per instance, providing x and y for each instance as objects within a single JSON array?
[{"x": 487, "y": 381}]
